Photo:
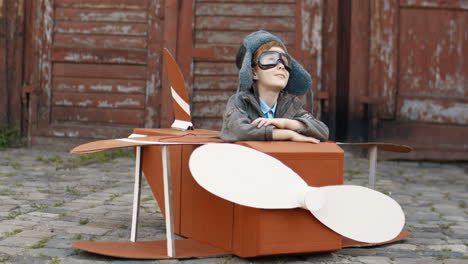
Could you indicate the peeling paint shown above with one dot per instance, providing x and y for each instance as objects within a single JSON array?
[
  {"x": 58, "y": 133},
  {"x": 85, "y": 103},
  {"x": 73, "y": 133},
  {"x": 64, "y": 102},
  {"x": 150, "y": 113},
  {"x": 106, "y": 88},
  {"x": 150, "y": 84},
  {"x": 432, "y": 111},
  {"x": 127, "y": 102},
  {"x": 127, "y": 89},
  {"x": 113, "y": 16}
]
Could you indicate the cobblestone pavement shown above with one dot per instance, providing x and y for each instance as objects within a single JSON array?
[{"x": 48, "y": 200}]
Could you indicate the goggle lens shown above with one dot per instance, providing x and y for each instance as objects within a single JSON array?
[{"x": 270, "y": 59}]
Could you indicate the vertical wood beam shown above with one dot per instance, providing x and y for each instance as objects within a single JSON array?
[
  {"x": 3, "y": 63},
  {"x": 359, "y": 72},
  {"x": 383, "y": 55},
  {"x": 329, "y": 72},
  {"x": 171, "y": 14},
  {"x": 154, "y": 64}
]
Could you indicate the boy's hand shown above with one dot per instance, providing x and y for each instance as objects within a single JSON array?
[
  {"x": 285, "y": 134},
  {"x": 281, "y": 123},
  {"x": 277, "y": 122}
]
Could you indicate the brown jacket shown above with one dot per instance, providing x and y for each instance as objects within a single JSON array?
[{"x": 243, "y": 107}]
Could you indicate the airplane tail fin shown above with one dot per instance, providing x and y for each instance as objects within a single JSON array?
[{"x": 180, "y": 99}]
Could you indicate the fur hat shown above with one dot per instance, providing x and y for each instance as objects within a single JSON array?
[{"x": 299, "y": 80}]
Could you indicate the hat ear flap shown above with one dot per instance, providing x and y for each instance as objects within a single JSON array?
[
  {"x": 299, "y": 80},
  {"x": 245, "y": 72}
]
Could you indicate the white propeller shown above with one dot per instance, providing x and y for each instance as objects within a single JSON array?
[{"x": 251, "y": 178}]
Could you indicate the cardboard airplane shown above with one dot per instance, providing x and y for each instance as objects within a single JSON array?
[{"x": 251, "y": 210}]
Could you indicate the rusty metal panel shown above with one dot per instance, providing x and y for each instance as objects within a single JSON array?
[{"x": 383, "y": 55}]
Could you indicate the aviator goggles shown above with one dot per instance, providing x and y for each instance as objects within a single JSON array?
[{"x": 269, "y": 59}]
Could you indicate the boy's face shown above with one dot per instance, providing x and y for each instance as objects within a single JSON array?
[{"x": 275, "y": 78}]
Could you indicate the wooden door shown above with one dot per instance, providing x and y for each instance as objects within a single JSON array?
[
  {"x": 99, "y": 68},
  {"x": 417, "y": 75},
  {"x": 210, "y": 32}
]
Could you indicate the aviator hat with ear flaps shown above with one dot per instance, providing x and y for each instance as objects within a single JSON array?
[{"x": 299, "y": 80}]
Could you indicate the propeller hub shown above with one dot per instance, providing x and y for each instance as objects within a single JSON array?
[{"x": 314, "y": 199}]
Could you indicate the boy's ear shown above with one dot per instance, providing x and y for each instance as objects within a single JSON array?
[{"x": 254, "y": 74}]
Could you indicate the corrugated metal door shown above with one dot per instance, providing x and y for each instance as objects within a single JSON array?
[
  {"x": 418, "y": 76},
  {"x": 218, "y": 30},
  {"x": 99, "y": 68}
]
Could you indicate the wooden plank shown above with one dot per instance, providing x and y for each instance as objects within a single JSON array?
[
  {"x": 98, "y": 4},
  {"x": 359, "y": 72},
  {"x": 433, "y": 50},
  {"x": 211, "y": 96},
  {"x": 245, "y": 23},
  {"x": 98, "y": 116},
  {"x": 429, "y": 141},
  {"x": 251, "y": 1},
  {"x": 215, "y": 82},
  {"x": 3, "y": 66},
  {"x": 15, "y": 43},
  {"x": 99, "y": 100},
  {"x": 154, "y": 63},
  {"x": 108, "y": 15},
  {"x": 170, "y": 39},
  {"x": 215, "y": 68},
  {"x": 208, "y": 123},
  {"x": 235, "y": 38},
  {"x": 45, "y": 41},
  {"x": 252, "y": 9},
  {"x": 439, "y": 4},
  {"x": 86, "y": 55},
  {"x": 99, "y": 71},
  {"x": 78, "y": 27},
  {"x": 82, "y": 132},
  {"x": 434, "y": 110},
  {"x": 208, "y": 109},
  {"x": 105, "y": 41},
  {"x": 383, "y": 54},
  {"x": 98, "y": 85}
]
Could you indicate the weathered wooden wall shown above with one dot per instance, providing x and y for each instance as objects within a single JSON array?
[
  {"x": 11, "y": 60},
  {"x": 99, "y": 69},
  {"x": 411, "y": 73}
]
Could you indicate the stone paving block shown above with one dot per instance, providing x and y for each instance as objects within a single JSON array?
[
  {"x": 16, "y": 241},
  {"x": 52, "y": 252},
  {"x": 88, "y": 230},
  {"x": 456, "y": 261},
  {"x": 11, "y": 250},
  {"x": 29, "y": 260},
  {"x": 44, "y": 215},
  {"x": 417, "y": 261},
  {"x": 373, "y": 260},
  {"x": 453, "y": 248},
  {"x": 35, "y": 234}
]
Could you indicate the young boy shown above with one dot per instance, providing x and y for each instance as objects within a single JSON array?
[{"x": 265, "y": 106}]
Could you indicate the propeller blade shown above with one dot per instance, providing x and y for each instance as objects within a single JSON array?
[{"x": 251, "y": 178}]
